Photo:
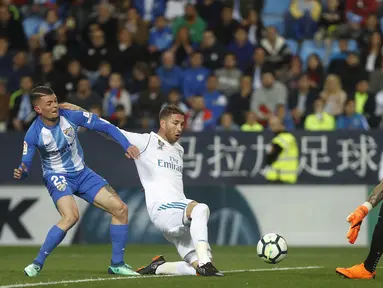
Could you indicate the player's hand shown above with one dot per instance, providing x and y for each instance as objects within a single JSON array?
[
  {"x": 69, "y": 106},
  {"x": 18, "y": 173},
  {"x": 355, "y": 219},
  {"x": 132, "y": 152}
]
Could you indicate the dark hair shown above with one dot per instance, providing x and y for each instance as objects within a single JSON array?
[
  {"x": 268, "y": 71},
  {"x": 142, "y": 67},
  {"x": 209, "y": 30},
  {"x": 348, "y": 101},
  {"x": 196, "y": 53},
  {"x": 170, "y": 110},
  {"x": 174, "y": 90},
  {"x": 26, "y": 76},
  {"x": 231, "y": 54},
  {"x": 40, "y": 91}
]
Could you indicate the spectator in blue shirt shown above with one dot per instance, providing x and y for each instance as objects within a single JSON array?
[
  {"x": 150, "y": 10},
  {"x": 170, "y": 74},
  {"x": 52, "y": 22},
  {"x": 350, "y": 119},
  {"x": 161, "y": 36},
  {"x": 19, "y": 70},
  {"x": 242, "y": 48},
  {"x": 342, "y": 51},
  {"x": 194, "y": 82},
  {"x": 5, "y": 58},
  {"x": 215, "y": 101}
]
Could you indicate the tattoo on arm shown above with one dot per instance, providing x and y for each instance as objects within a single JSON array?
[
  {"x": 76, "y": 107},
  {"x": 376, "y": 195},
  {"x": 111, "y": 191}
]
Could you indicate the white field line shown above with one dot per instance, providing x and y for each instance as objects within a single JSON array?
[{"x": 149, "y": 277}]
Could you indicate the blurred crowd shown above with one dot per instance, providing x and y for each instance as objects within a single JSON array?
[{"x": 228, "y": 64}]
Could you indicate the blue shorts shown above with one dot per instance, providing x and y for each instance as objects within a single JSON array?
[{"x": 84, "y": 184}]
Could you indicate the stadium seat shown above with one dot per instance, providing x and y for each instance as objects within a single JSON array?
[
  {"x": 276, "y": 7},
  {"x": 309, "y": 47},
  {"x": 352, "y": 46},
  {"x": 293, "y": 45}
]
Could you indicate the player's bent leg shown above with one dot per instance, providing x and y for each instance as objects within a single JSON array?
[
  {"x": 367, "y": 269},
  {"x": 199, "y": 214},
  {"x": 68, "y": 210},
  {"x": 108, "y": 199}
]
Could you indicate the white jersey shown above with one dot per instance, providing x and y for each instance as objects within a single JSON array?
[{"x": 159, "y": 167}]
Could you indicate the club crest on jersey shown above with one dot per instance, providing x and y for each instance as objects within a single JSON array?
[
  {"x": 69, "y": 132},
  {"x": 160, "y": 145},
  {"x": 61, "y": 186}
]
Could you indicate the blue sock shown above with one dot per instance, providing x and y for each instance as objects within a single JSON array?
[
  {"x": 119, "y": 237},
  {"x": 53, "y": 239}
]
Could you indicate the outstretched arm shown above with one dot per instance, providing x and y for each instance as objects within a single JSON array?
[
  {"x": 91, "y": 121},
  {"x": 105, "y": 127}
]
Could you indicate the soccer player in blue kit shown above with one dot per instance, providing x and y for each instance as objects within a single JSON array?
[{"x": 54, "y": 135}]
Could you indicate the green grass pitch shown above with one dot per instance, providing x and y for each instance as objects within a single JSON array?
[{"x": 86, "y": 266}]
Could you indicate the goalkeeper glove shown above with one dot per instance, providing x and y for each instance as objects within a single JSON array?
[{"x": 355, "y": 219}]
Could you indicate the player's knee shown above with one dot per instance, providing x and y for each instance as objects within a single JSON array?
[
  {"x": 201, "y": 209},
  {"x": 71, "y": 219},
  {"x": 121, "y": 211}
]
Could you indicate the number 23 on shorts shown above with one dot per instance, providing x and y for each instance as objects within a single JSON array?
[{"x": 59, "y": 181}]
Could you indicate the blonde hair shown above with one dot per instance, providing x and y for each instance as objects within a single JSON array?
[{"x": 338, "y": 82}]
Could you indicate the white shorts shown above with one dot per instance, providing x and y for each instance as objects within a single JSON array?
[{"x": 170, "y": 218}]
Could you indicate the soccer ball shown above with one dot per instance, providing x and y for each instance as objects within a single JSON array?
[{"x": 272, "y": 248}]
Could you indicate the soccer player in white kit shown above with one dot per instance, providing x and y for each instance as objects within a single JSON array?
[{"x": 182, "y": 221}]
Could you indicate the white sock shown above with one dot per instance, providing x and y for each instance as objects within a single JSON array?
[
  {"x": 198, "y": 231},
  {"x": 176, "y": 268}
]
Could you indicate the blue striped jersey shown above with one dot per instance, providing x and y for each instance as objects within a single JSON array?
[{"x": 59, "y": 147}]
